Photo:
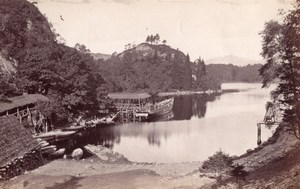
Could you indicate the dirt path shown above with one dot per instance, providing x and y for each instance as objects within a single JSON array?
[{"x": 64, "y": 174}]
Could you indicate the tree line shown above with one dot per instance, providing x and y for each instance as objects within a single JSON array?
[
  {"x": 231, "y": 73},
  {"x": 154, "y": 39}
]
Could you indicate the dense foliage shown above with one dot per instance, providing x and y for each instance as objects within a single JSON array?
[
  {"x": 281, "y": 50},
  {"x": 203, "y": 80},
  {"x": 66, "y": 75},
  {"x": 154, "y": 68},
  {"x": 231, "y": 73},
  {"x": 7, "y": 86}
]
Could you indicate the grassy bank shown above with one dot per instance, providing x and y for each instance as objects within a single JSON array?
[{"x": 274, "y": 164}]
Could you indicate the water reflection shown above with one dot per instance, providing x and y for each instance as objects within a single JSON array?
[
  {"x": 105, "y": 136},
  {"x": 185, "y": 107}
]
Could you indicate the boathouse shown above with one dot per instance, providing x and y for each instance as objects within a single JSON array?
[
  {"x": 131, "y": 106},
  {"x": 23, "y": 107}
]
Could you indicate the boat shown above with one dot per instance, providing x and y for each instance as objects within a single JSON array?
[
  {"x": 140, "y": 106},
  {"x": 48, "y": 149},
  {"x": 162, "y": 107},
  {"x": 58, "y": 153},
  {"x": 43, "y": 144},
  {"x": 57, "y": 135},
  {"x": 75, "y": 128}
]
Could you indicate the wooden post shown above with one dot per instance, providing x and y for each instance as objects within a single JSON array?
[
  {"x": 139, "y": 103},
  {"x": 19, "y": 116},
  {"x": 258, "y": 133},
  {"x": 41, "y": 156},
  {"x": 29, "y": 117}
]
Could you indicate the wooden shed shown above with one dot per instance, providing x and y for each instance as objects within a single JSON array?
[{"x": 24, "y": 108}]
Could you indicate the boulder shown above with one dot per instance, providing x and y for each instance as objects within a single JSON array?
[{"x": 77, "y": 153}]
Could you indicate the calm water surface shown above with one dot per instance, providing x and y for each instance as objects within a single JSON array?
[{"x": 201, "y": 125}]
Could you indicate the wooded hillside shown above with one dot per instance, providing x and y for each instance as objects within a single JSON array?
[
  {"x": 154, "y": 68},
  {"x": 231, "y": 73}
]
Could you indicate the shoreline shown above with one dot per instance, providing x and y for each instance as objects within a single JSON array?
[
  {"x": 179, "y": 93},
  {"x": 68, "y": 173}
]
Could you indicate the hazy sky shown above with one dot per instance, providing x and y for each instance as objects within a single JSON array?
[{"x": 206, "y": 28}]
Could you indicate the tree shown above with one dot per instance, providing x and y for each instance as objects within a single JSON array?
[
  {"x": 164, "y": 41},
  {"x": 7, "y": 86},
  {"x": 82, "y": 48},
  {"x": 156, "y": 38},
  {"x": 148, "y": 39},
  {"x": 188, "y": 73},
  {"x": 280, "y": 49},
  {"x": 152, "y": 39}
]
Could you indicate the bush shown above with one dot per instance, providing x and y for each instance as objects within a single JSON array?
[
  {"x": 218, "y": 163},
  {"x": 239, "y": 172}
]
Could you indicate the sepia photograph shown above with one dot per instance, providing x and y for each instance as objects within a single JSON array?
[{"x": 149, "y": 94}]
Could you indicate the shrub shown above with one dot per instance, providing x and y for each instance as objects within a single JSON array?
[
  {"x": 217, "y": 163},
  {"x": 239, "y": 172}
]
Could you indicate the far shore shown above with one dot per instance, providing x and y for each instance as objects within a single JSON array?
[{"x": 178, "y": 93}]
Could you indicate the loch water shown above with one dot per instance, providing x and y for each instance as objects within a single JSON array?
[{"x": 198, "y": 126}]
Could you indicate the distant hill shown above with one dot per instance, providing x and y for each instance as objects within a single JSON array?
[
  {"x": 231, "y": 59},
  {"x": 98, "y": 56}
]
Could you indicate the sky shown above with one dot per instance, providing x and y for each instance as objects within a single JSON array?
[{"x": 201, "y": 28}]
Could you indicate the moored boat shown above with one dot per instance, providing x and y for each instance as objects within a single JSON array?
[
  {"x": 140, "y": 106},
  {"x": 55, "y": 135},
  {"x": 58, "y": 153}
]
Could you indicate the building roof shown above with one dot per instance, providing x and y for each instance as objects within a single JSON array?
[
  {"x": 22, "y": 100},
  {"x": 15, "y": 139},
  {"x": 128, "y": 95}
]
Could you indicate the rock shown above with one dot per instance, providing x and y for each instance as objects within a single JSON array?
[
  {"x": 294, "y": 174},
  {"x": 77, "y": 153},
  {"x": 102, "y": 157},
  {"x": 249, "y": 150}
]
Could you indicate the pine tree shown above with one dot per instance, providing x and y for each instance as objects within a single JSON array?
[{"x": 148, "y": 39}]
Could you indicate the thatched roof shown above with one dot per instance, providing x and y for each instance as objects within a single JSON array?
[
  {"x": 22, "y": 100},
  {"x": 128, "y": 95},
  {"x": 15, "y": 140}
]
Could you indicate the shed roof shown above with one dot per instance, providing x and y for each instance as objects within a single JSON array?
[
  {"x": 128, "y": 95},
  {"x": 22, "y": 100},
  {"x": 15, "y": 140}
]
